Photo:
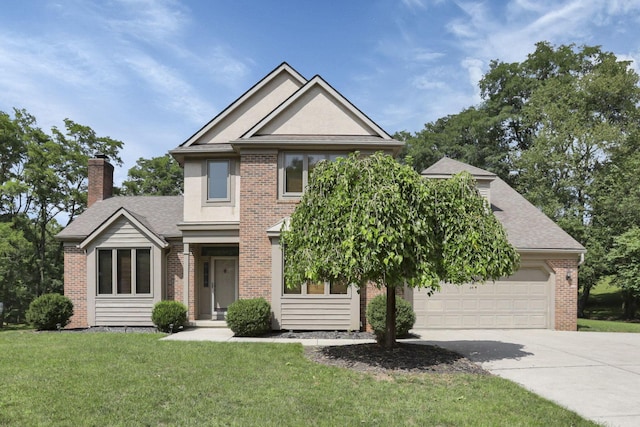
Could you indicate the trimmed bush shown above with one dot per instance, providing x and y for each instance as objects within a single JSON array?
[
  {"x": 50, "y": 310},
  {"x": 249, "y": 317},
  {"x": 377, "y": 316},
  {"x": 167, "y": 313}
]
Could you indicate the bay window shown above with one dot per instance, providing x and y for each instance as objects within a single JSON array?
[{"x": 124, "y": 271}]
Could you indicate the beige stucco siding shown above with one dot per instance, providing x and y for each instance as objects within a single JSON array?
[
  {"x": 250, "y": 112},
  {"x": 316, "y": 113},
  {"x": 196, "y": 207}
]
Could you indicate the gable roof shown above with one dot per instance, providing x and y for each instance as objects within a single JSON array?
[
  {"x": 139, "y": 222},
  {"x": 158, "y": 214},
  {"x": 285, "y": 110},
  {"x": 280, "y": 75},
  {"x": 527, "y": 227},
  {"x": 316, "y": 99},
  {"x": 447, "y": 167}
]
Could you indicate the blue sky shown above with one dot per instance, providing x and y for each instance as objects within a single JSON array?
[{"x": 152, "y": 72}]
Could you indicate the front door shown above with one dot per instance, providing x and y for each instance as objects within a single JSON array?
[
  {"x": 224, "y": 283},
  {"x": 219, "y": 287}
]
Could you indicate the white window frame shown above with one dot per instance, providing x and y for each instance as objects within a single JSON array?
[{"x": 114, "y": 272}]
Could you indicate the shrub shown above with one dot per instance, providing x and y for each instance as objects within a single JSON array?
[
  {"x": 377, "y": 316},
  {"x": 249, "y": 317},
  {"x": 50, "y": 310},
  {"x": 167, "y": 313}
]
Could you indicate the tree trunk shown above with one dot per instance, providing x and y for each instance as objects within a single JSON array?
[
  {"x": 583, "y": 299},
  {"x": 629, "y": 305},
  {"x": 390, "y": 326}
]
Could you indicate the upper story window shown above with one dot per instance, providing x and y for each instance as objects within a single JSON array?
[
  {"x": 219, "y": 180},
  {"x": 297, "y": 168}
]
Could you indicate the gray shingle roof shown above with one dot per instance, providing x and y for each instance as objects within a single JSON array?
[
  {"x": 160, "y": 214},
  {"x": 527, "y": 227}
]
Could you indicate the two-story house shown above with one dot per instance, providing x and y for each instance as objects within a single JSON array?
[{"x": 244, "y": 172}]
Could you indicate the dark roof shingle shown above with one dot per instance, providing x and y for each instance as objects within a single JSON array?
[
  {"x": 160, "y": 213},
  {"x": 527, "y": 227}
]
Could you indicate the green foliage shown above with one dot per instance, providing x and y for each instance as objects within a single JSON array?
[
  {"x": 371, "y": 219},
  {"x": 562, "y": 127},
  {"x": 249, "y": 317},
  {"x": 43, "y": 176},
  {"x": 158, "y": 176},
  {"x": 50, "y": 310},
  {"x": 169, "y": 316},
  {"x": 377, "y": 316},
  {"x": 624, "y": 258}
]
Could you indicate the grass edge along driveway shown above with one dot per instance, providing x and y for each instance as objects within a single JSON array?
[{"x": 134, "y": 379}]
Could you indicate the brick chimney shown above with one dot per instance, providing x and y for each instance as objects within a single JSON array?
[{"x": 100, "y": 179}]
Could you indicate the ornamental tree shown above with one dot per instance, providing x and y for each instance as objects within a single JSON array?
[{"x": 371, "y": 219}]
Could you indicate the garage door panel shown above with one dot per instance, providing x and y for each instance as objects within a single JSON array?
[{"x": 521, "y": 301}]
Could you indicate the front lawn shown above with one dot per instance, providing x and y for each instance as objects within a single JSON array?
[{"x": 81, "y": 379}]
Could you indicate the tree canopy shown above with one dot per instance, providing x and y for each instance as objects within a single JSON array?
[
  {"x": 158, "y": 176},
  {"x": 555, "y": 126},
  {"x": 43, "y": 179},
  {"x": 371, "y": 219}
]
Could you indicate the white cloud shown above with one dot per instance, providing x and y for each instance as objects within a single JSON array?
[
  {"x": 172, "y": 91},
  {"x": 149, "y": 20}
]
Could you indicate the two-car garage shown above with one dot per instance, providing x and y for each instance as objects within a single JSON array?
[{"x": 524, "y": 300}]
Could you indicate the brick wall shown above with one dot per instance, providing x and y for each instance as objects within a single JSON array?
[
  {"x": 175, "y": 276},
  {"x": 566, "y": 293},
  {"x": 75, "y": 284},
  {"x": 259, "y": 210},
  {"x": 174, "y": 273},
  {"x": 100, "y": 180}
]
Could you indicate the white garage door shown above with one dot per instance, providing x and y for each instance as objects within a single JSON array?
[{"x": 523, "y": 300}]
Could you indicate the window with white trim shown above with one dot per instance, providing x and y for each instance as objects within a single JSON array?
[
  {"x": 124, "y": 271},
  {"x": 219, "y": 180},
  {"x": 296, "y": 168}
]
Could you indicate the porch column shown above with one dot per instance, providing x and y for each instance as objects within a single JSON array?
[{"x": 185, "y": 276}]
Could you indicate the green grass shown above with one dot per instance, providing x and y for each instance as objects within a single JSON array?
[
  {"x": 592, "y": 325},
  {"x": 605, "y": 302},
  {"x": 73, "y": 379},
  {"x": 604, "y": 311}
]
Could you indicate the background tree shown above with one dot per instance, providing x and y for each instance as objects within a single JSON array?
[
  {"x": 158, "y": 176},
  {"x": 553, "y": 124},
  {"x": 624, "y": 258},
  {"x": 472, "y": 136},
  {"x": 372, "y": 219},
  {"x": 43, "y": 179}
]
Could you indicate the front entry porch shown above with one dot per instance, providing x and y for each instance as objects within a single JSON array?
[{"x": 218, "y": 285}]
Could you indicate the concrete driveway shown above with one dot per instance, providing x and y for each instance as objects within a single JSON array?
[{"x": 595, "y": 374}]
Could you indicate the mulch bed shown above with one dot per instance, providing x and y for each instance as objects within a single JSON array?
[{"x": 404, "y": 358}]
